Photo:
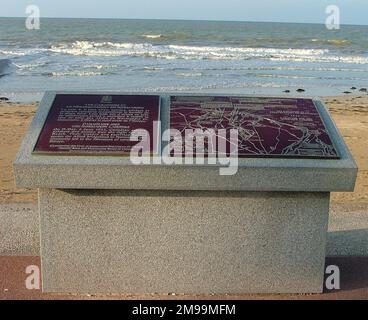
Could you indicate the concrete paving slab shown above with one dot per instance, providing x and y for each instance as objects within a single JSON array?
[{"x": 353, "y": 278}]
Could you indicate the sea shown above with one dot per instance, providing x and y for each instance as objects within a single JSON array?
[{"x": 180, "y": 56}]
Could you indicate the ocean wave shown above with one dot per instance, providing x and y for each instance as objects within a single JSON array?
[
  {"x": 153, "y": 36},
  {"x": 21, "y": 52},
  {"x": 171, "y": 52},
  {"x": 179, "y": 36},
  {"x": 14, "y": 53},
  {"x": 98, "y": 66},
  {"x": 189, "y": 74},
  {"x": 282, "y": 68},
  {"x": 152, "y": 68},
  {"x": 75, "y": 74},
  {"x": 335, "y": 42},
  {"x": 31, "y": 66}
]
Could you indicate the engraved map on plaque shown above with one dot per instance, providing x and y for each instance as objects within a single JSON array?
[
  {"x": 267, "y": 127},
  {"x": 98, "y": 124}
]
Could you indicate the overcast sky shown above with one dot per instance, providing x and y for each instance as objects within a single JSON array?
[{"x": 313, "y": 11}]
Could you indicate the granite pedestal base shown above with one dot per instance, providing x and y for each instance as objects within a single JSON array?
[{"x": 119, "y": 241}]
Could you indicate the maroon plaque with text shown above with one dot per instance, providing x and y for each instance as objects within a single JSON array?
[
  {"x": 98, "y": 124},
  {"x": 267, "y": 127}
]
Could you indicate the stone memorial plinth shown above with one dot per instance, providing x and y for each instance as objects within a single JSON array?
[{"x": 112, "y": 226}]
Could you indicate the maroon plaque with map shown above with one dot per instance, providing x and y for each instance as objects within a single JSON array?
[
  {"x": 98, "y": 124},
  {"x": 267, "y": 127}
]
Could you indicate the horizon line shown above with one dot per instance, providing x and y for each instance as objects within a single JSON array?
[{"x": 196, "y": 20}]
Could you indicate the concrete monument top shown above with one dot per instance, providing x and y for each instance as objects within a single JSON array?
[{"x": 80, "y": 140}]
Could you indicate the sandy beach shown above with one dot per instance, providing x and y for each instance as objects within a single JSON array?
[{"x": 350, "y": 114}]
